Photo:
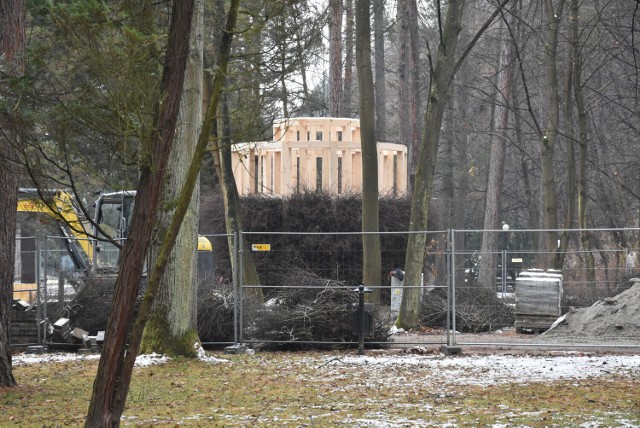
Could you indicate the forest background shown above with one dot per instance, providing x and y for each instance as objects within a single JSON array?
[{"x": 522, "y": 112}]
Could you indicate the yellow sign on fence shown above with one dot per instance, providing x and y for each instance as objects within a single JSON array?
[{"x": 260, "y": 247}]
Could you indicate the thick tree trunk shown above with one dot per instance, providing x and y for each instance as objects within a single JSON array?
[
  {"x": 549, "y": 198},
  {"x": 119, "y": 378},
  {"x": 112, "y": 381},
  {"x": 461, "y": 172},
  {"x": 585, "y": 237},
  {"x": 372, "y": 265},
  {"x": 220, "y": 146},
  {"x": 442, "y": 77},
  {"x": 404, "y": 45},
  {"x": 415, "y": 119},
  {"x": 8, "y": 202},
  {"x": 408, "y": 83},
  {"x": 172, "y": 326},
  {"x": 347, "y": 93},
  {"x": 380, "y": 75},
  {"x": 335, "y": 57},
  {"x": 569, "y": 138},
  {"x": 12, "y": 43},
  {"x": 233, "y": 207},
  {"x": 492, "y": 242}
]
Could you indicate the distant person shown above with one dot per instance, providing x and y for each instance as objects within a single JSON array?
[
  {"x": 398, "y": 273},
  {"x": 631, "y": 260}
]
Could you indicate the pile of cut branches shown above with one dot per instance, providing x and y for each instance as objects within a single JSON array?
[
  {"x": 477, "y": 309},
  {"x": 308, "y": 308}
]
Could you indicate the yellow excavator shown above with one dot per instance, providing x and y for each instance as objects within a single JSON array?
[{"x": 112, "y": 216}]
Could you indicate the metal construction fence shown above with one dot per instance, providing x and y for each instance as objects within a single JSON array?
[{"x": 301, "y": 289}]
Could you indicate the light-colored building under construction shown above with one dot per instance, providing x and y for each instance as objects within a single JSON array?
[{"x": 313, "y": 153}]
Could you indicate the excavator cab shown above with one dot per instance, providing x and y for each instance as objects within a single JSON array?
[
  {"x": 113, "y": 212},
  {"x": 112, "y": 217}
]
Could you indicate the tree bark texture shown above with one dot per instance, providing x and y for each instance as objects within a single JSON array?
[
  {"x": 335, "y": 57},
  {"x": 181, "y": 206},
  {"x": 569, "y": 138},
  {"x": 233, "y": 208},
  {"x": 549, "y": 198},
  {"x": 441, "y": 79},
  {"x": 408, "y": 82},
  {"x": 492, "y": 242},
  {"x": 112, "y": 381},
  {"x": 12, "y": 43},
  {"x": 172, "y": 326},
  {"x": 346, "y": 109},
  {"x": 404, "y": 112},
  {"x": 585, "y": 238},
  {"x": 380, "y": 74},
  {"x": 372, "y": 265}
]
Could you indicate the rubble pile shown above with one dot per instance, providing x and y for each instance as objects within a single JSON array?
[{"x": 613, "y": 317}]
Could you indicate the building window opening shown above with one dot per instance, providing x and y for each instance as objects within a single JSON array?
[
  {"x": 297, "y": 135},
  {"x": 395, "y": 175},
  {"x": 262, "y": 178},
  {"x": 339, "y": 133},
  {"x": 256, "y": 174},
  {"x": 339, "y": 176},
  {"x": 318, "y": 174},
  {"x": 318, "y": 135},
  {"x": 298, "y": 174}
]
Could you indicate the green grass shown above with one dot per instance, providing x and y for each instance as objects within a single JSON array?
[{"x": 296, "y": 389}]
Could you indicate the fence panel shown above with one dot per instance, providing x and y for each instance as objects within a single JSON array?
[
  {"x": 305, "y": 289},
  {"x": 307, "y": 281},
  {"x": 513, "y": 293}
]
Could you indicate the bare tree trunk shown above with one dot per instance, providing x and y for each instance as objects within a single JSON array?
[
  {"x": 551, "y": 22},
  {"x": 461, "y": 171},
  {"x": 585, "y": 237},
  {"x": 442, "y": 76},
  {"x": 221, "y": 148},
  {"x": 347, "y": 93},
  {"x": 372, "y": 264},
  {"x": 404, "y": 107},
  {"x": 112, "y": 381},
  {"x": 569, "y": 137},
  {"x": 172, "y": 326},
  {"x": 415, "y": 118},
  {"x": 233, "y": 207},
  {"x": 110, "y": 407},
  {"x": 12, "y": 43},
  {"x": 408, "y": 83},
  {"x": 335, "y": 57},
  {"x": 493, "y": 241},
  {"x": 380, "y": 74}
]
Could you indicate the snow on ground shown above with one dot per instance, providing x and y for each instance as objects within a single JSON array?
[
  {"x": 480, "y": 370},
  {"x": 141, "y": 361}
]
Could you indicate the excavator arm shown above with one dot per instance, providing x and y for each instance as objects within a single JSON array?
[{"x": 73, "y": 225}]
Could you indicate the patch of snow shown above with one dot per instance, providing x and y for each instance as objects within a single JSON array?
[
  {"x": 57, "y": 357},
  {"x": 480, "y": 370},
  {"x": 146, "y": 360},
  {"x": 395, "y": 330}
]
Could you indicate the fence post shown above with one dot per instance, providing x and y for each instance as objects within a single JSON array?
[
  {"x": 234, "y": 284},
  {"x": 240, "y": 256},
  {"x": 39, "y": 317},
  {"x": 44, "y": 291},
  {"x": 451, "y": 316}
]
